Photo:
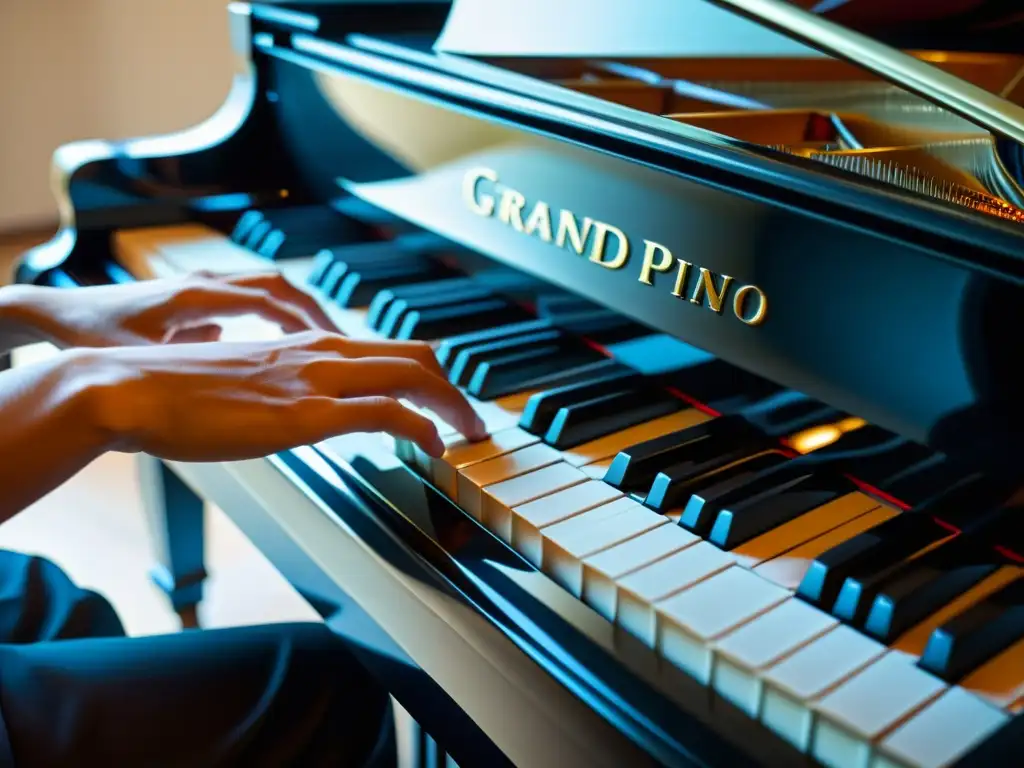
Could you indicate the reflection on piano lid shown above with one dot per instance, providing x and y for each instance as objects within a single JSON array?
[{"x": 941, "y": 124}]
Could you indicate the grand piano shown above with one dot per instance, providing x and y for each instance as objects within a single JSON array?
[{"x": 733, "y": 285}]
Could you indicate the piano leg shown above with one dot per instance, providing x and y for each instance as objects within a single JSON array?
[{"x": 176, "y": 518}]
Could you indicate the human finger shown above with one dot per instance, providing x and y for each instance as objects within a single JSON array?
[
  {"x": 399, "y": 378},
  {"x": 379, "y": 414},
  {"x": 282, "y": 289}
]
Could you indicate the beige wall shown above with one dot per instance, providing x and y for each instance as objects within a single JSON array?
[{"x": 79, "y": 69}]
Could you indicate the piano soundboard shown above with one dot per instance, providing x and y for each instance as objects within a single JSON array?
[{"x": 815, "y": 581}]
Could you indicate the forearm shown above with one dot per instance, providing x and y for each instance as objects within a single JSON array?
[
  {"x": 21, "y": 317},
  {"x": 47, "y": 432}
]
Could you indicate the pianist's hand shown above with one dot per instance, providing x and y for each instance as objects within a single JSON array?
[
  {"x": 178, "y": 309},
  {"x": 236, "y": 400}
]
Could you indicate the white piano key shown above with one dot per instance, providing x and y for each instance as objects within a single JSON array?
[
  {"x": 792, "y": 685},
  {"x": 640, "y": 590},
  {"x": 940, "y": 733},
  {"x": 602, "y": 571},
  {"x": 495, "y": 416},
  {"x": 499, "y": 499},
  {"x": 565, "y": 544},
  {"x": 742, "y": 656},
  {"x": 461, "y": 453},
  {"x": 608, "y": 446},
  {"x": 474, "y": 478},
  {"x": 529, "y": 520},
  {"x": 690, "y": 622},
  {"x": 863, "y": 709},
  {"x": 598, "y": 469}
]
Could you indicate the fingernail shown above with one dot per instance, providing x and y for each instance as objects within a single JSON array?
[{"x": 437, "y": 448}]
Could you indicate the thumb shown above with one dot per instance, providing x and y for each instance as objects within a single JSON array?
[{"x": 194, "y": 334}]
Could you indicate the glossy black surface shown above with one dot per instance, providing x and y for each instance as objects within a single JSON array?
[{"x": 882, "y": 305}]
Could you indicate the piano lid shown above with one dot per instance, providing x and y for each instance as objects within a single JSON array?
[{"x": 623, "y": 29}]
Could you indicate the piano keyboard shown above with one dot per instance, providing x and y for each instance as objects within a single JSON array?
[{"x": 857, "y": 595}]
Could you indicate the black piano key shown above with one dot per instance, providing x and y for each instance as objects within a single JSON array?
[
  {"x": 449, "y": 349},
  {"x": 372, "y": 254},
  {"x": 973, "y": 637},
  {"x": 304, "y": 230},
  {"x": 416, "y": 245},
  {"x": 923, "y": 479},
  {"x": 441, "y": 322},
  {"x": 357, "y": 289},
  {"x": 882, "y": 547},
  {"x": 333, "y": 278},
  {"x": 602, "y": 326},
  {"x": 471, "y": 358},
  {"x": 721, "y": 386},
  {"x": 541, "y": 409},
  {"x": 272, "y": 243},
  {"x": 393, "y": 317},
  {"x": 381, "y": 303},
  {"x": 244, "y": 226},
  {"x": 552, "y": 305},
  {"x": 1002, "y": 530},
  {"x": 789, "y": 413},
  {"x": 356, "y": 208},
  {"x": 256, "y": 233},
  {"x": 517, "y": 370},
  {"x": 873, "y": 455},
  {"x": 636, "y": 467},
  {"x": 772, "y": 498},
  {"x": 923, "y": 585},
  {"x": 577, "y": 424},
  {"x": 323, "y": 261},
  {"x": 697, "y": 489},
  {"x": 584, "y": 370},
  {"x": 970, "y": 501}
]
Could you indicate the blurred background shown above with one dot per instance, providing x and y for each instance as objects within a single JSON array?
[
  {"x": 98, "y": 69},
  {"x": 113, "y": 69}
]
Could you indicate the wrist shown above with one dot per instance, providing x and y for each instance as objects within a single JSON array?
[{"x": 89, "y": 399}]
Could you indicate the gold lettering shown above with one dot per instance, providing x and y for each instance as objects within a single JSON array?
[
  {"x": 539, "y": 221},
  {"x": 739, "y": 300},
  {"x": 681, "y": 275},
  {"x": 597, "y": 254},
  {"x": 749, "y": 302},
  {"x": 567, "y": 227},
  {"x": 706, "y": 284},
  {"x": 651, "y": 249},
  {"x": 511, "y": 209},
  {"x": 479, "y": 203}
]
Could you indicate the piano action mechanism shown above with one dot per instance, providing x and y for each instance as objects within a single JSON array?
[{"x": 732, "y": 284}]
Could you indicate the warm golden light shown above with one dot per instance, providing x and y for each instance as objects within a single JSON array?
[{"x": 816, "y": 438}]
